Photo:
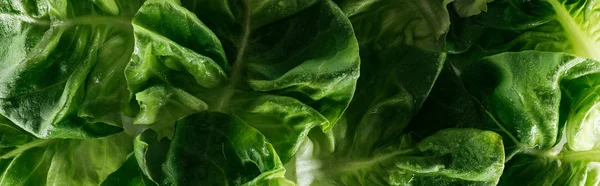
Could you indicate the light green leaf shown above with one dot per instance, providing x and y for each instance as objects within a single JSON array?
[
  {"x": 467, "y": 8},
  {"x": 79, "y": 162},
  {"x": 161, "y": 105},
  {"x": 284, "y": 121},
  {"x": 582, "y": 126}
]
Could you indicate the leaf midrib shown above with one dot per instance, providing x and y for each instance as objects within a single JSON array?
[
  {"x": 520, "y": 147},
  {"x": 236, "y": 69},
  {"x": 590, "y": 155},
  {"x": 345, "y": 165},
  {"x": 24, "y": 147},
  {"x": 582, "y": 43}
]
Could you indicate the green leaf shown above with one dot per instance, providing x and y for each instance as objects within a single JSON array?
[
  {"x": 61, "y": 64},
  {"x": 210, "y": 148},
  {"x": 395, "y": 79},
  {"x": 523, "y": 97},
  {"x": 282, "y": 67},
  {"x": 546, "y": 112},
  {"x": 581, "y": 125},
  {"x": 150, "y": 152},
  {"x": 79, "y": 162},
  {"x": 390, "y": 24},
  {"x": 467, "y": 8},
  {"x": 284, "y": 121},
  {"x": 394, "y": 23},
  {"x": 161, "y": 105},
  {"x": 370, "y": 146},
  {"x": 226, "y": 150},
  {"x": 543, "y": 171},
  {"x": 449, "y": 105},
  {"x": 250, "y": 55},
  {"x": 448, "y": 157},
  {"x": 128, "y": 174},
  {"x": 392, "y": 88},
  {"x": 553, "y": 25},
  {"x": 11, "y": 135}
]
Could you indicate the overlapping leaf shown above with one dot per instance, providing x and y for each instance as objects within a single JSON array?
[
  {"x": 553, "y": 25},
  {"x": 61, "y": 65},
  {"x": 282, "y": 75}
]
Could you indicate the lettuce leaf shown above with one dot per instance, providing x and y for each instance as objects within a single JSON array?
[{"x": 60, "y": 66}]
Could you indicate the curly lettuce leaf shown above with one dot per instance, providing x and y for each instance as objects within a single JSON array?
[
  {"x": 525, "y": 98},
  {"x": 371, "y": 146},
  {"x": 582, "y": 126},
  {"x": 209, "y": 148},
  {"x": 546, "y": 113},
  {"x": 60, "y": 161},
  {"x": 448, "y": 157},
  {"x": 283, "y": 75},
  {"x": 393, "y": 23},
  {"x": 61, "y": 65},
  {"x": 552, "y": 25},
  {"x": 533, "y": 170}
]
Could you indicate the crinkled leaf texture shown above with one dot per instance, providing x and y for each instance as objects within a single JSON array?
[
  {"x": 61, "y": 65},
  {"x": 393, "y": 23},
  {"x": 546, "y": 114},
  {"x": 448, "y": 157},
  {"x": 523, "y": 97},
  {"x": 388, "y": 24},
  {"x": 259, "y": 75},
  {"x": 64, "y": 161},
  {"x": 371, "y": 146},
  {"x": 242, "y": 87},
  {"x": 245, "y": 80},
  {"x": 550, "y": 25},
  {"x": 531, "y": 170},
  {"x": 208, "y": 148},
  {"x": 582, "y": 126},
  {"x": 283, "y": 75},
  {"x": 240, "y": 140}
]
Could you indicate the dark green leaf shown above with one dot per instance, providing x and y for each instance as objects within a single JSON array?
[{"x": 282, "y": 67}]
